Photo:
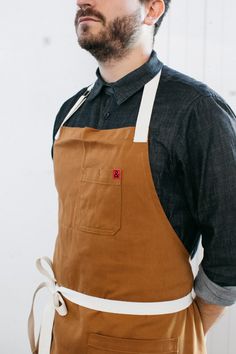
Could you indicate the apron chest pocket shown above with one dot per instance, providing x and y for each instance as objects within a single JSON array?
[
  {"x": 100, "y": 344},
  {"x": 100, "y": 201}
]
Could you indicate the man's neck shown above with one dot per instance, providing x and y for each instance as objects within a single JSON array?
[{"x": 114, "y": 70}]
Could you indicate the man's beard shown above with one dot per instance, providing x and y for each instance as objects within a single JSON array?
[{"x": 114, "y": 40}]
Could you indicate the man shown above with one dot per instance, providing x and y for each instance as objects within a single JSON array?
[{"x": 145, "y": 163}]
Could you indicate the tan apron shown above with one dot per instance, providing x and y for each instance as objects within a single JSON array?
[{"x": 116, "y": 243}]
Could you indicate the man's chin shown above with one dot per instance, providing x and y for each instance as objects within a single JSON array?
[
  {"x": 85, "y": 43},
  {"x": 88, "y": 35},
  {"x": 87, "y": 40}
]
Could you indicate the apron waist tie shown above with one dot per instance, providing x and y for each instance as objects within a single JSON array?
[{"x": 57, "y": 303}]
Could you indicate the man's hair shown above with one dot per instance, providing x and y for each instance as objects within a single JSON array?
[{"x": 158, "y": 23}]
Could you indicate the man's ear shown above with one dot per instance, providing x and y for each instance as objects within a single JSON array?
[{"x": 155, "y": 9}]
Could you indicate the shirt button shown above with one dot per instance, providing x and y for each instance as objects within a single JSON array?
[{"x": 107, "y": 115}]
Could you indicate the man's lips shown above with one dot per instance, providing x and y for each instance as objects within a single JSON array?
[{"x": 81, "y": 19}]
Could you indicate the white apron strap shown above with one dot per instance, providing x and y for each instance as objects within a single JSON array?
[
  {"x": 43, "y": 344},
  {"x": 77, "y": 105},
  {"x": 127, "y": 307},
  {"x": 145, "y": 110}
]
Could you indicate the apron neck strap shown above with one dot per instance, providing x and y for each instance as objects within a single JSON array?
[
  {"x": 77, "y": 105},
  {"x": 146, "y": 108}
]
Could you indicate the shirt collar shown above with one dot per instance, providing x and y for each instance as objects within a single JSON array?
[{"x": 130, "y": 83}]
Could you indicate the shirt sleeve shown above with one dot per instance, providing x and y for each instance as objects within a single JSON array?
[
  {"x": 213, "y": 293},
  {"x": 209, "y": 172}
]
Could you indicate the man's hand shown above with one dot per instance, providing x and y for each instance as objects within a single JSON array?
[{"x": 209, "y": 313}]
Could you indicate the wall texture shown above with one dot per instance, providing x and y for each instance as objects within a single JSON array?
[{"x": 40, "y": 66}]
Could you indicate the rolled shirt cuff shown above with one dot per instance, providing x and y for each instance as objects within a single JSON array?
[{"x": 213, "y": 293}]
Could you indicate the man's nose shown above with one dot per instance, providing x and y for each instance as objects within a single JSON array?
[{"x": 85, "y": 3}]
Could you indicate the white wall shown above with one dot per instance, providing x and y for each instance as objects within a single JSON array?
[{"x": 40, "y": 66}]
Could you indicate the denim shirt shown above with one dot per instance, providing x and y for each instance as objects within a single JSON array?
[{"x": 192, "y": 153}]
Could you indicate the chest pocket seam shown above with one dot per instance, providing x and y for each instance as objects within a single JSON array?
[{"x": 100, "y": 201}]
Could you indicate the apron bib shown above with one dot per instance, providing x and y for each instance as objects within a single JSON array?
[{"x": 123, "y": 277}]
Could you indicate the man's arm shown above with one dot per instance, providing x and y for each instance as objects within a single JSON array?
[
  {"x": 210, "y": 313},
  {"x": 209, "y": 172}
]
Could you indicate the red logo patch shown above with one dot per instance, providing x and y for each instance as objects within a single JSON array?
[{"x": 116, "y": 173}]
